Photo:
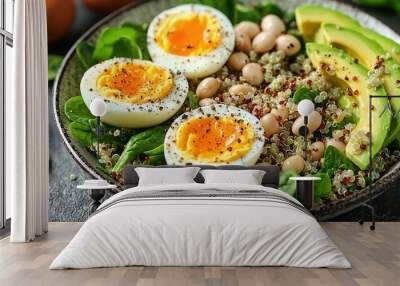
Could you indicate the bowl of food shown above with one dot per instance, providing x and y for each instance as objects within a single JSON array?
[{"x": 188, "y": 83}]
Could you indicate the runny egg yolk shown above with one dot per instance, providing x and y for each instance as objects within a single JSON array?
[
  {"x": 189, "y": 34},
  {"x": 135, "y": 83},
  {"x": 215, "y": 139}
]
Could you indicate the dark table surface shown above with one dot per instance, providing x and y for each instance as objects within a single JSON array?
[{"x": 69, "y": 204}]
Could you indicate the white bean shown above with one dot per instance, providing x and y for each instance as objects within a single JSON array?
[
  {"x": 273, "y": 24},
  {"x": 208, "y": 87},
  {"x": 294, "y": 163},
  {"x": 317, "y": 150},
  {"x": 253, "y": 73},
  {"x": 242, "y": 42},
  {"x": 270, "y": 124},
  {"x": 337, "y": 144},
  {"x": 288, "y": 44},
  {"x": 206, "y": 101},
  {"x": 264, "y": 42},
  {"x": 241, "y": 89},
  {"x": 237, "y": 61},
  {"x": 249, "y": 28},
  {"x": 314, "y": 121},
  {"x": 281, "y": 113}
]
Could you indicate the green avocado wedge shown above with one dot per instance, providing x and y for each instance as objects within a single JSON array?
[
  {"x": 338, "y": 66},
  {"x": 369, "y": 54},
  {"x": 309, "y": 18},
  {"x": 387, "y": 44}
]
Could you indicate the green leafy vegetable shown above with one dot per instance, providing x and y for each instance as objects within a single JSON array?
[
  {"x": 256, "y": 13},
  {"x": 289, "y": 17},
  {"x": 155, "y": 156},
  {"x": 286, "y": 185},
  {"x": 109, "y": 43},
  {"x": 85, "y": 54},
  {"x": 138, "y": 144},
  {"x": 246, "y": 13},
  {"x": 108, "y": 133},
  {"x": 141, "y": 37},
  {"x": 156, "y": 160},
  {"x": 267, "y": 7},
  {"x": 75, "y": 108},
  {"x": 54, "y": 63},
  {"x": 83, "y": 125},
  {"x": 126, "y": 48},
  {"x": 159, "y": 150},
  {"x": 128, "y": 40},
  {"x": 304, "y": 93},
  {"x": 82, "y": 133},
  {"x": 334, "y": 159},
  {"x": 322, "y": 188},
  {"x": 193, "y": 100}
]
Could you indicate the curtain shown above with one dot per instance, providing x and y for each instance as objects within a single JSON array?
[{"x": 27, "y": 124}]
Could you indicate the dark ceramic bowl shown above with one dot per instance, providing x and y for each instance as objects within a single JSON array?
[{"x": 67, "y": 85}]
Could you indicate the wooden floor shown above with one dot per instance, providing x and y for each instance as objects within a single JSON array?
[{"x": 375, "y": 257}]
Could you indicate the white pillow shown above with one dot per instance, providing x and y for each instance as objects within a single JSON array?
[
  {"x": 166, "y": 176},
  {"x": 248, "y": 177}
]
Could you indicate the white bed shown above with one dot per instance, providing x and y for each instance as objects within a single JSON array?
[{"x": 203, "y": 225}]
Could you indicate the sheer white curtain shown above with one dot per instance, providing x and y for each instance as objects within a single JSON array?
[{"x": 27, "y": 124}]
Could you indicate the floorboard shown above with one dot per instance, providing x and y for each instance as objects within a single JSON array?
[{"x": 375, "y": 257}]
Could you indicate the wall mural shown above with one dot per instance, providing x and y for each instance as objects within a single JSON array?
[{"x": 194, "y": 84}]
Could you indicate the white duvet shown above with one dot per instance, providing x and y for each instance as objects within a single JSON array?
[{"x": 188, "y": 231}]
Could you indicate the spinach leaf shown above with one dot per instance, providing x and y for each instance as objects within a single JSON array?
[
  {"x": 84, "y": 52},
  {"x": 256, "y": 13},
  {"x": 267, "y": 7},
  {"x": 159, "y": 150},
  {"x": 156, "y": 160},
  {"x": 110, "y": 40},
  {"x": 83, "y": 125},
  {"x": 126, "y": 48},
  {"x": 75, "y": 108},
  {"x": 246, "y": 13},
  {"x": 323, "y": 187},
  {"x": 286, "y": 185},
  {"x": 53, "y": 64},
  {"x": 290, "y": 17},
  {"x": 138, "y": 144},
  {"x": 155, "y": 156},
  {"x": 193, "y": 100},
  {"x": 334, "y": 159},
  {"x": 141, "y": 37},
  {"x": 303, "y": 93},
  {"x": 81, "y": 133}
]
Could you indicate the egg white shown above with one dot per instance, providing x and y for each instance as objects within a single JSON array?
[
  {"x": 128, "y": 115},
  {"x": 193, "y": 66},
  {"x": 173, "y": 155}
]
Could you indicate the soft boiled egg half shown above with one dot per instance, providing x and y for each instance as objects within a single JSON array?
[
  {"x": 137, "y": 93},
  {"x": 214, "y": 135},
  {"x": 194, "y": 39}
]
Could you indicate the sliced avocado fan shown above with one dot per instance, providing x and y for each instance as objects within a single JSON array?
[
  {"x": 338, "y": 65},
  {"x": 387, "y": 44},
  {"x": 369, "y": 54},
  {"x": 309, "y": 18}
]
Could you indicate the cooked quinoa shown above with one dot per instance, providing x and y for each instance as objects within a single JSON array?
[{"x": 283, "y": 76}]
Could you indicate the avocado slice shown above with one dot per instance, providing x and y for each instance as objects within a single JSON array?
[
  {"x": 309, "y": 17},
  {"x": 367, "y": 52},
  {"x": 339, "y": 66},
  {"x": 387, "y": 44}
]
